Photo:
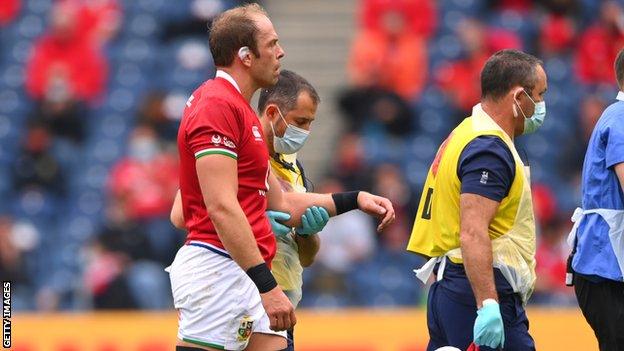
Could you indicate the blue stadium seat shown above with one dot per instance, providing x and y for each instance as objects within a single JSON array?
[
  {"x": 395, "y": 284},
  {"x": 30, "y": 26},
  {"x": 416, "y": 172},
  {"x": 38, "y": 7},
  {"x": 13, "y": 76}
]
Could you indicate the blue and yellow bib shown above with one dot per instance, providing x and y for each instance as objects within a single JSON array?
[{"x": 512, "y": 230}]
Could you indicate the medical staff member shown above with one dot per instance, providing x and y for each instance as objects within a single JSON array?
[
  {"x": 475, "y": 219},
  {"x": 596, "y": 264},
  {"x": 286, "y": 112}
]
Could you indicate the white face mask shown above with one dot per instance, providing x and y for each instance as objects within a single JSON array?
[
  {"x": 292, "y": 140},
  {"x": 532, "y": 124}
]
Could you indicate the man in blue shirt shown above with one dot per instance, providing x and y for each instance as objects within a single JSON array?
[{"x": 597, "y": 237}]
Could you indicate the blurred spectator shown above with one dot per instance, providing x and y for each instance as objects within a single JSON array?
[
  {"x": 461, "y": 80},
  {"x": 421, "y": 16},
  {"x": 124, "y": 236},
  {"x": 144, "y": 182},
  {"x": 392, "y": 58},
  {"x": 390, "y": 183},
  {"x": 523, "y": 6},
  {"x": 9, "y": 10},
  {"x": 104, "y": 275},
  {"x": 346, "y": 241},
  {"x": 350, "y": 166},
  {"x": 385, "y": 108},
  {"x": 551, "y": 255},
  {"x": 66, "y": 60},
  {"x": 544, "y": 204},
  {"x": 98, "y": 20},
  {"x": 557, "y": 34},
  {"x": 591, "y": 108},
  {"x": 202, "y": 12},
  {"x": 599, "y": 45},
  {"x": 152, "y": 112},
  {"x": 558, "y": 28},
  {"x": 16, "y": 239},
  {"x": 36, "y": 167},
  {"x": 134, "y": 260},
  {"x": 61, "y": 114},
  {"x": 560, "y": 7}
]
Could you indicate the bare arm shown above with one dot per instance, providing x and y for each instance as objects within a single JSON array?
[
  {"x": 476, "y": 213},
  {"x": 308, "y": 247},
  {"x": 177, "y": 216},
  {"x": 218, "y": 180},
  {"x": 619, "y": 171},
  {"x": 296, "y": 203}
]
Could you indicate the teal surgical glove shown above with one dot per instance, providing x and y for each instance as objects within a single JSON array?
[
  {"x": 278, "y": 228},
  {"x": 488, "y": 328},
  {"x": 313, "y": 221}
]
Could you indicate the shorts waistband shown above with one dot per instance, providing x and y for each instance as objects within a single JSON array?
[{"x": 212, "y": 248}]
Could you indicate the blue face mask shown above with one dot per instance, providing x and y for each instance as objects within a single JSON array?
[
  {"x": 292, "y": 140},
  {"x": 532, "y": 124}
]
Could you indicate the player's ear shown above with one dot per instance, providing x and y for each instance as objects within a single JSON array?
[
  {"x": 271, "y": 112},
  {"x": 244, "y": 54}
]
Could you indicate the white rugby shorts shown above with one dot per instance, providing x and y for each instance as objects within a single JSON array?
[{"x": 218, "y": 304}]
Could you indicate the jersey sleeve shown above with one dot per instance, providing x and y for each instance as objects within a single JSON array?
[
  {"x": 614, "y": 150},
  {"x": 215, "y": 129},
  {"x": 486, "y": 167}
]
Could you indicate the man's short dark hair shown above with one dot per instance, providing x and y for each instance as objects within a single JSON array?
[
  {"x": 232, "y": 30},
  {"x": 506, "y": 69},
  {"x": 619, "y": 68},
  {"x": 285, "y": 93}
]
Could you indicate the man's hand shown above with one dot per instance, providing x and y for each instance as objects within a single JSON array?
[
  {"x": 278, "y": 228},
  {"x": 279, "y": 309},
  {"x": 378, "y": 207},
  {"x": 488, "y": 328},
  {"x": 313, "y": 221}
]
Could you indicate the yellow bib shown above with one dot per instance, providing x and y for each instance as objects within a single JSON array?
[
  {"x": 286, "y": 266},
  {"x": 512, "y": 230}
]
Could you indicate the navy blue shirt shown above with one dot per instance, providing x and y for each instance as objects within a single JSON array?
[{"x": 486, "y": 167}]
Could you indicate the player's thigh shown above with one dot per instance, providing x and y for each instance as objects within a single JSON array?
[
  {"x": 266, "y": 342},
  {"x": 211, "y": 294},
  {"x": 455, "y": 316},
  {"x": 517, "y": 337}
]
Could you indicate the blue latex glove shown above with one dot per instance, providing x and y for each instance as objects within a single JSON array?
[
  {"x": 312, "y": 221},
  {"x": 488, "y": 328},
  {"x": 278, "y": 228}
]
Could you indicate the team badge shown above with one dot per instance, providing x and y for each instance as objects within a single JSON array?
[
  {"x": 229, "y": 143},
  {"x": 216, "y": 139},
  {"x": 244, "y": 330},
  {"x": 256, "y": 133}
]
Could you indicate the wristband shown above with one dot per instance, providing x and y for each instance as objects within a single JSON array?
[
  {"x": 263, "y": 278},
  {"x": 346, "y": 201}
]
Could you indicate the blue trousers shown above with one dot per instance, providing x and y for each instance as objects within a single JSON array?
[
  {"x": 291, "y": 340},
  {"x": 451, "y": 316}
]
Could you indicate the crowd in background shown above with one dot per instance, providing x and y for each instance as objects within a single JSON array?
[{"x": 91, "y": 93}]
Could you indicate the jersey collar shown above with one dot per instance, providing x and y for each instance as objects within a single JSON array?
[
  {"x": 620, "y": 95},
  {"x": 228, "y": 77}
]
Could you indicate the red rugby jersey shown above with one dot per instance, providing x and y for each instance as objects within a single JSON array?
[{"x": 218, "y": 120}]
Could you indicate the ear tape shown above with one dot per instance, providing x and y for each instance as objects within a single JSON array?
[{"x": 243, "y": 52}]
